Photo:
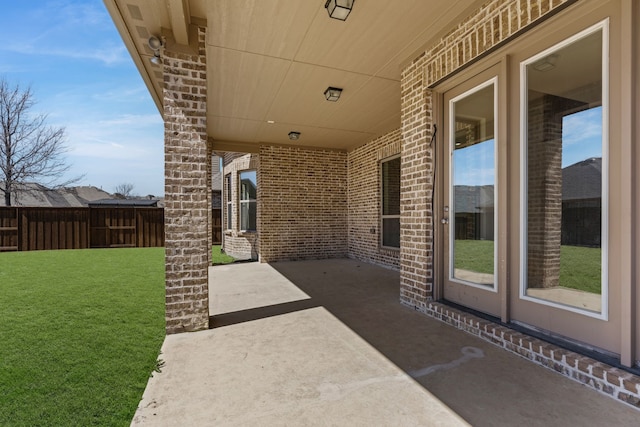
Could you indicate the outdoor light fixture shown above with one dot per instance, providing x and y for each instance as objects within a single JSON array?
[
  {"x": 294, "y": 136},
  {"x": 332, "y": 93},
  {"x": 155, "y": 44},
  {"x": 155, "y": 59},
  {"x": 339, "y": 9}
]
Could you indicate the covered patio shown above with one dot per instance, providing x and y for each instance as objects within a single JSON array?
[
  {"x": 325, "y": 342},
  {"x": 372, "y": 177}
]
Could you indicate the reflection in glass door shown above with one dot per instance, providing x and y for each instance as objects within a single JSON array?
[
  {"x": 564, "y": 149},
  {"x": 472, "y": 187}
]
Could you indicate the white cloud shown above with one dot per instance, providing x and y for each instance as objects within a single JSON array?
[
  {"x": 137, "y": 93},
  {"x": 581, "y": 127},
  {"x": 133, "y": 120},
  {"x": 474, "y": 176},
  {"x": 107, "y": 150},
  {"x": 108, "y": 55},
  {"x": 82, "y": 77},
  {"x": 67, "y": 29}
]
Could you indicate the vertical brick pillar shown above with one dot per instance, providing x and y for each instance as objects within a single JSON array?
[
  {"x": 209, "y": 196},
  {"x": 187, "y": 191},
  {"x": 416, "y": 188},
  {"x": 544, "y": 192}
]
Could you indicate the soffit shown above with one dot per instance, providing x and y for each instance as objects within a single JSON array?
[{"x": 273, "y": 59}]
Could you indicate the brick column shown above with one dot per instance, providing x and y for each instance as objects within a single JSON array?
[
  {"x": 187, "y": 194},
  {"x": 544, "y": 192},
  {"x": 416, "y": 188},
  {"x": 209, "y": 196}
]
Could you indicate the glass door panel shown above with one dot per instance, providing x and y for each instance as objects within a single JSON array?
[
  {"x": 566, "y": 162},
  {"x": 472, "y": 188},
  {"x": 470, "y": 194}
]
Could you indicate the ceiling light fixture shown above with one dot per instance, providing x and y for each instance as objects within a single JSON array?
[
  {"x": 546, "y": 64},
  {"x": 294, "y": 136},
  {"x": 332, "y": 93},
  {"x": 155, "y": 43},
  {"x": 339, "y": 9}
]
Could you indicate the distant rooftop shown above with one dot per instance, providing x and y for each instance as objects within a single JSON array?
[
  {"x": 32, "y": 194},
  {"x": 124, "y": 203},
  {"x": 582, "y": 180}
]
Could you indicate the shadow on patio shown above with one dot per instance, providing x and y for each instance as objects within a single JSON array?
[{"x": 327, "y": 343}]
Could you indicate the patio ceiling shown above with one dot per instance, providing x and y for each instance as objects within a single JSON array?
[{"x": 271, "y": 60}]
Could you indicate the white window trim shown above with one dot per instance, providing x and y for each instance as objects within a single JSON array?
[
  {"x": 382, "y": 215},
  {"x": 493, "y": 81},
  {"x": 248, "y": 201},
  {"x": 229, "y": 204},
  {"x": 604, "y": 314}
]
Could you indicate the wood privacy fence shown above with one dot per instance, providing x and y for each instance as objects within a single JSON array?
[
  {"x": 35, "y": 228},
  {"x": 216, "y": 225}
]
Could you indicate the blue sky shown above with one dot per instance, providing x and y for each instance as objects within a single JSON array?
[
  {"x": 581, "y": 136},
  {"x": 581, "y": 140},
  {"x": 82, "y": 76}
]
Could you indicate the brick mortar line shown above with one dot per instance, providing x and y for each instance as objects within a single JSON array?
[{"x": 559, "y": 360}]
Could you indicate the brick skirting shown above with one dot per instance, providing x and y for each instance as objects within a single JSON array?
[{"x": 607, "y": 379}]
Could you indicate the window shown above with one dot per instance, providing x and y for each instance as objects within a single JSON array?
[
  {"x": 248, "y": 195},
  {"x": 391, "y": 203},
  {"x": 227, "y": 184},
  {"x": 565, "y": 174}
]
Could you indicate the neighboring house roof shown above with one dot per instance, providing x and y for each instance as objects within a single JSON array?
[
  {"x": 216, "y": 175},
  {"x": 88, "y": 193},
  {"x": 32, "y": 194},
  {"x": 124, "y": 203},
  {"x": 582, "y": 180},
  {"x": 216, "y": 181},
  {"x": 473, "y": 198}
]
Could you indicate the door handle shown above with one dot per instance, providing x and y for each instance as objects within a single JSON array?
[{"x": 444, "y": 221}]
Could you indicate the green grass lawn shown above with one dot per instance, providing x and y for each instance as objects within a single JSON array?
[
  {"x": 474, "y": 255},
  {"x": 80, "y": 333},
  {"x": 580, "y": 268},
  {"x": 218, "y": 257}
]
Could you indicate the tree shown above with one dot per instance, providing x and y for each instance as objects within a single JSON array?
[
  {"x": 125, "y": 189},
  {"x": 30, "y": 150}
]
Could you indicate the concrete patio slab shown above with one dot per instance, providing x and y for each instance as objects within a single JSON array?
[{"x": 327, "y": 343}]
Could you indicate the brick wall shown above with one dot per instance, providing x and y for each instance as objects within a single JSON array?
[
  {"x": 236, "y": 243},
  {"x": 364, "y": 206},
  {"x": 416, "y": 187},
  {"x": 242, "y": 246},
  {"x": 493, "y": 24},
  {"x": 302, "y": 204},
  {"x": 600, "y": 376},
  {"x": 187, "y": 190},
  {"x": 544, "y": 191}
]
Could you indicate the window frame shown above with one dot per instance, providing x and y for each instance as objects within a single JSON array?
[
  {"x": 229, "y": 202},
  {"x": 382, "y": 215},
  {"x": 247, "y": 202},
  {"x": 603, "y": 26}
]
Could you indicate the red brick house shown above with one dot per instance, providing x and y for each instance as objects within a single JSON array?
[{"x": 435, "y": 97}]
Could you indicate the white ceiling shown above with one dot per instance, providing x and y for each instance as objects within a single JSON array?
[{"x": 271, "y": 60}]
